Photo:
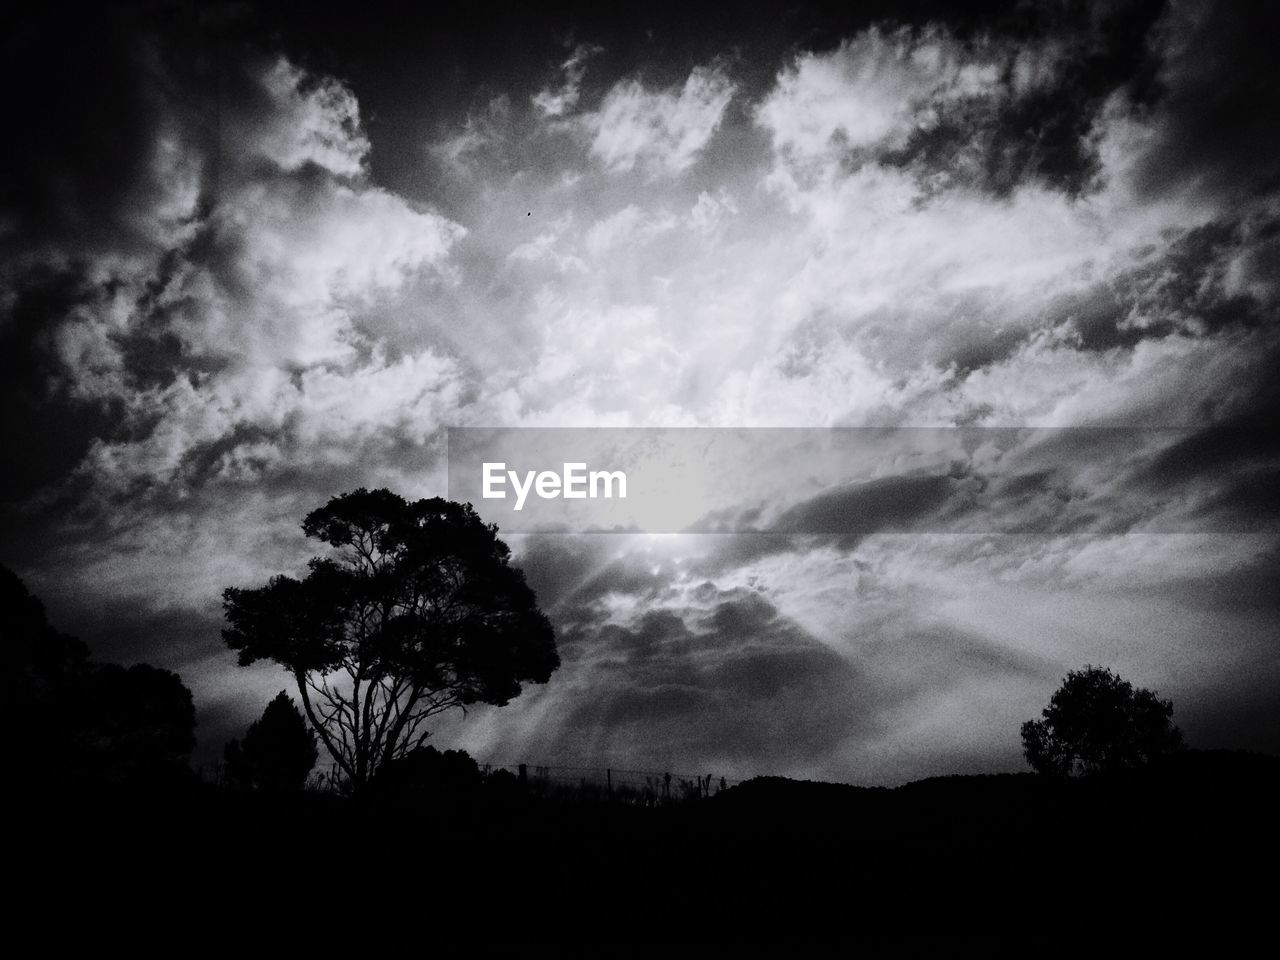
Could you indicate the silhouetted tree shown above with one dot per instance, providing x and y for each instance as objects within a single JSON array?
[
  {"x": 415, "y": 611},
  {"x": 138, "y": 723},
  {"x": 86, "y": 722},
  {"x": 278, "y": 750},
  {"x": 1096, "y": 721},
  {"x": 450, "y": 772}
]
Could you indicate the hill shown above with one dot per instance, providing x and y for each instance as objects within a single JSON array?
[{"x": 1006, "y": 856}]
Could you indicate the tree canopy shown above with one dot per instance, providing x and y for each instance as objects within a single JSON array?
[
  {"x": 278, "y": 750},
  {"x": 1097, "y": 722},
  {"x": 87, "y": 723},
  {"x": 415, "y": 610}
]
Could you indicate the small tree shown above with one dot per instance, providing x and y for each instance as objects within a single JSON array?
[
  {"x": 278, "y": 751},
  {"x": 139, "y": 723},
  {"x": 415, "y": 611},
  {"x": 1096, "y": 721},
  {"x": 430, "y": 770}
]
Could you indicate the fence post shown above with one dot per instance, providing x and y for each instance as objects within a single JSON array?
[{"x": 608, "y": 776}]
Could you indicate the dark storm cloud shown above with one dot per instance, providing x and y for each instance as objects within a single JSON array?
[
  {"x": 738, "y": 685},
  {"x": 891, "y": 503},
  {"x": 186, "y": 222},
  {"x": 1197, "y": 288},
  {"x": 77, "y": 166},
  {"x": 52, "y": 430},
  {"x": 939, "y": 655},
  {"x": 840, "y": 517},
  {"x": 174, "y": 637},
  {"x": 1060, "y": 69},
  {"x": 1056, "y": 481},
  {"x": 732, "y": 551},
  {"x": 719, "y": 680},
  {"x": 1233, "y": 463},
  {"x": 78, "y": 182},
  {"x": 1249, "y": 587},
  {"x": 1216, "y": 102},
  {"x": 1215, "y": 451}
]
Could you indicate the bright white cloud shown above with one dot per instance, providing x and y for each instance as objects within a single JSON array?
[
  {"x": 662, "y": 131},
  {"x": 874, "y": 89},
  {"x": 316, "y": 122},
  {"x": 710, "y": 211},
  {"x": 265, "y": 296},
  {"x": 628, "y": 226}
]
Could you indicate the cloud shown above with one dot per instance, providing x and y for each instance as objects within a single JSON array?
[
  {"x": 206, "y": 333},
  {"x": 859, "y": 508},
  {"x": 245, "y": 322},
  {"x": 660, "y": 131},
  {"x": 320, "y": 124},
  {"x": 212, "y": 333},
  {"x": 720, "y": 685},
  {"x": 709, "y": 212},
  {"x": 1208, "y": 134},
  {"x": 482, "y": 132},
  {"x": 630, "y": 225},
  {"x": 546, "y": 247},
  {"x": 873, "y": 90},
  {"x": 557, "y": 103},
  {"x": 979, "y": 107}
]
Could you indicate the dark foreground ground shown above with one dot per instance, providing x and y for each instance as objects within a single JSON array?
[{"x": 1185, "y": 850}]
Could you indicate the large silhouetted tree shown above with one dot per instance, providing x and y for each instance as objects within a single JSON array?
[
  {"x": 278, "y": 750},
  {"x": 415, "y": 610},
  {"x": 1095, "y": 722}
]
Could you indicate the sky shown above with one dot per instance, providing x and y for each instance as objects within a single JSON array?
[{"x": 255, "y": 257}]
